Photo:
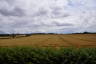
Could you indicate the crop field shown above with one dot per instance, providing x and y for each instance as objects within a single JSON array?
[
  {"x": 48, "y": 49},
  {"x": 61, "y": 40}
]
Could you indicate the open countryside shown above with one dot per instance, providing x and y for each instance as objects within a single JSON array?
[{"x": 49, "y": 40}]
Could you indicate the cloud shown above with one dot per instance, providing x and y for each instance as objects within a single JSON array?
[
  {"x": 62, "y": 16},
  {"x": 14, "y": 12},
  {"x": 63, "y": 24},
  {"x": 40, "y": 12}
]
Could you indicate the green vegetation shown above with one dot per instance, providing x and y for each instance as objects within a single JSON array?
[{"x": 29, "y": 55}]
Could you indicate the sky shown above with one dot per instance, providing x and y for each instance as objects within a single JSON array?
[{"x": 56, "y": 16}]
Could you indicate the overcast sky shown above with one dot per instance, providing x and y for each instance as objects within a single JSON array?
[{"x": 58, "y": 16}]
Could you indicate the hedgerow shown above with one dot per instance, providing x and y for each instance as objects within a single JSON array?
[{"x": 29, "y": 55}]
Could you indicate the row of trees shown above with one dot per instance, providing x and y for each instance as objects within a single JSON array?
[
  {"x": 26, "y": 35},
  {"x": 85, "y": 33},
  {"x": 15, "y": 35},
  {"x": 23, "y": 35}
]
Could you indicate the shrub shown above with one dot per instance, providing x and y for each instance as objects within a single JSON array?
[{"x": 28, "y": 55}]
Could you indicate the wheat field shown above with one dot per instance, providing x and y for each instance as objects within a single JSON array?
[{"x": 61, "y": 40}]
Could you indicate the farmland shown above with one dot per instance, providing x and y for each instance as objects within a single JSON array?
[
  {"x": 60, "y": 40},
  {"x": 48, "y": 49}
]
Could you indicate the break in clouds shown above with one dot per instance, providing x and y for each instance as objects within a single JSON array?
[{"x": 57, "y": 16}]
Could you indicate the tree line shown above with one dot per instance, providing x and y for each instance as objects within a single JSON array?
[{"x": 26, "y": 35}]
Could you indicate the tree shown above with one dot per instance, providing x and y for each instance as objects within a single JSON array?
[{"x": 13, "y": 35}]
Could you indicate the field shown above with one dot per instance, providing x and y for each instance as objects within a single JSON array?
[
  {"x": 48, "y": 49},
  {"x": 63, "y": 40}
]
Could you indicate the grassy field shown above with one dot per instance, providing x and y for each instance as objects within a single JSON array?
[{"x": 65, "y": 40}]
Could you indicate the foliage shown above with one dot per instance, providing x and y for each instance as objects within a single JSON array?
[{"x": 28, "y": 55}]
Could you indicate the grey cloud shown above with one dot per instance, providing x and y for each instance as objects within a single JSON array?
[
  {"x": 40, "y": 12},
  {"x": 58, "y": 12},
  {"x": 1, "y": 32},
  {"x": 15, "y": 12},
  {"x": 10, "y": 2},
  {"x": 1, "y": 26},
  {"x": 32, "y": 16},
  {"x": 19, "y": 24},
  {"x": 63, "y": 24}
]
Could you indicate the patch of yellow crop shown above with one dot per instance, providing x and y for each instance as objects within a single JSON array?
[{"x": 71, "y": 40}]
